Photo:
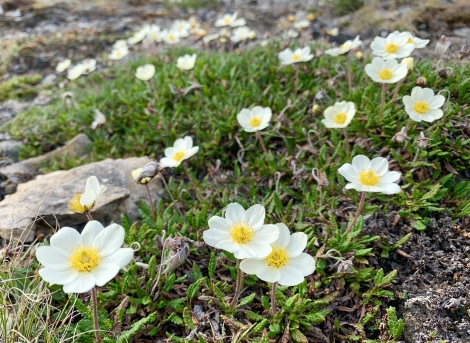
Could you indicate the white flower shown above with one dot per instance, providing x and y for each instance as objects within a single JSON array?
[
  {"x": 423, "y": 105},
  {"x": 119, "y": 52},
  {"x": 76, "y": 71},
  {"x": 241, "y": 232},
  {"x": 171, "y": 36},
  {"x": 241, "y": 33},
  {"x": 186, "y": 62},
  {"x": 409, "y": 62},
  {"x": 367, "y": 175},
  {"x": 89, "y": 65},
  {"x": 256, "y": 119},
  {"x": 182, "y": 27},
  {"x": 139, "y": 35},
  {"x": 288, "y": 56},
  {"x": 155, "y": 33},
  {"x": 93, "y": 190},
  {"x": 80, "y": 262},
  {"x": 339, "y": 115},
  {"x": 417, "y": 42},
  {"x": 301, "y": 24},
  {"x": 386, "y": 71},
  {"x": 210, "y": 37},
  {"x": 345, "y": 47},
  {"x": 395, "y": 45},
  {"x": 119, "y": 43},
  {"x": 286, "y": 264},
  {"x": 227, "y": 20},
  {"x": 181, "y": 150},
  {"x": 63, "y": 65},
  {"x": 145, "y": 72}
]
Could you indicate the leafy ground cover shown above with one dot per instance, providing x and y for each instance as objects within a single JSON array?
[{"x": 348, "y": 298}]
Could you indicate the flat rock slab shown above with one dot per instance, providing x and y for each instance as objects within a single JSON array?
[{"x": 42, "y": 204}]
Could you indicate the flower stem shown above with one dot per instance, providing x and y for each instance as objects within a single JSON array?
[
  {"x": 273, "y": 299},
  {"x": 238, "y": 287},
  {"x": 191, "y": 180},
  {"x": 296, "y": 80},
  {"x": 172, "y": 198},
  {"x": 94, "y": 305},
  {"x": 152, "y": 208},
  {"x": 348, "y": 70},
  {"x": 382, "y": 99},
  {"x": 395, "y": 92},
  {"x": 258, "y": 137},
  {"x": 358, "y": 212},
  {"x": 88, "y": 216}
]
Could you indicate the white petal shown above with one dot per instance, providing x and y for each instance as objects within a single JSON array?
[
  {"x": 218, "y": 223},
  {"x": 58, "y": 277},
  {"x": 104, "y": 272},
  {"x": 304, "y": 263},
  {"x": 255, "y": 216},
  {"x": 284, "y": 235},
  {"x": 256, "y": 249},
  {"x": 297, "y": 244},
  {"x": 268, "y": 234},
  {"x": 53, "y": 257},
  {"x": 269, "y": 274},
  {"x": 391, "y": 176},
  {"x": 234, "y": 213},
  {"x": 191, "y": 152},
  {"x": 348, "y": 172},
  {"x": 437, "y": 101},
  {"x": 360, "y": 162},
  {"x": 90, "y": 231},
  {"x": 166, "y": 162},
  {"x": 92, "y": 190},
  {"x": 428, "y": 94},
  {"x": 109, "y": 239},
  {"x": 390, "y": 188},
  {"x": 252, "y": 265},
  {"x": 408, "y": 101},
  {"x": 290, "y": 276},
  {"x": 121, "y": 257},
  {"x": 82, "y": 284},
  {"x": 66, "y": 238},
  {"x": 380, "y": 165}
]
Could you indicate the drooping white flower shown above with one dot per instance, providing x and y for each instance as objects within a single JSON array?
[
  {"x": 119, "y": 53},
  {"x": 80, "y": 262},
  {"x": 256, "y": 119},
  {"x": 339, "y": 115},
  {"x": 93, "y": 190},
  {"x": 423, "y": 105},
  {"x": 373, "y": 175},
  {"x": 89, "y": 65},
  {"x": 63, "y": 65},
  {"x": 241, "y": 33},
  {"x": 139, "y": 35},
  {"x": 119, "y": 43},
  {"x": 288, "y": 56},
  {"x": 286, "y": 264},
  {"x": 181, "y": 150},
  {"x": 409, "y": 62},
  {"x": 345, "y": 47},
  {"x": 76, "y": 71},
  {"x": 389, "y": 71},
  {"x": 417, "y": 42},
  {"x": 395, "y": 45},
  {"x": 145, "y": 72},
  {"x": 186, "y": 62},
  {"x": 301, "y": 24},
  {"x": 171, "y": 36},
  {"x": 242, "y": 232}
]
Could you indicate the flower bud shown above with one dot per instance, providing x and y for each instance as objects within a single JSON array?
[
  {"x": 423, "y": 141},
  {"x": 401, "y": 136},
  {"x": 409, "y": 62},
  {"x": 147, "y": 173},
  {"x": 320, "y": 178},
  {"x": 421, "y": 81}
]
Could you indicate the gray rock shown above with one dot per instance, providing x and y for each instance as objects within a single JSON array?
[
  {"x": 9, "y": 149},
  {"x": 42, "y": 204}
]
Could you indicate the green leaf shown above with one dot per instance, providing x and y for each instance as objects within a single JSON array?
[
  {"x": 419, "y": 225},
  {"x": 211, "y": 266},
  {"x": 297, "y": 336},
  {"x": 395, "y": 325},
  {"x": 247, "y": 300},
  {"x": 193, "y": 289}
]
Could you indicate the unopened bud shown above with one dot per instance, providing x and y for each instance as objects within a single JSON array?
[
  {"x": 359, "y": 55},
  {"x": 311, "y": 16},
  {"x": 401, "y": 136},
  {"x": 423, "y": 141},
  {"x": 291, "y": 18},
  {"x": 320, "y": 178},
  {"x": 316, "y": 109},
  {"x": 421, "y": 81},
  {"x": 147, "y": 173},
  {"x": 409, "y": 62}
]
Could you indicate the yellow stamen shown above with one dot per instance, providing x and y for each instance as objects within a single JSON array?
[
  {"x": 76, "y": 206},
  {"x": 391, "y": 48},
  {"x": 84, "y": 259},
  {"x": 241, "y": 232},
  {"x": 369, "y": 177},
  {"x": 340, "y": 118},
  {"x": 410, "y": 41},
  {"x": 295, "y": 57},
  {"x": 179, "y": 155},
  {"x": 385, "y": 74},
  {"x": 421, "y": 107},
  {"x": 255, "y": 121},
  {"x": 277, "y": 258}
]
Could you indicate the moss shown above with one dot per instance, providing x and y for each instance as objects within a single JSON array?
[{"x": 20, "y": 87}]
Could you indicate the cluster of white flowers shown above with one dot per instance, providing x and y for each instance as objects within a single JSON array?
[
  {"x": 268, "y": 251},
  {"x": 86, "y": 66}
]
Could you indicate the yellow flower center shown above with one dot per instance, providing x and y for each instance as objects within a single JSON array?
[
  {"x": 227, "y": 20},
  {"x": 241, "y": 232},
  {"x": 277, "y": 258},
  {"x": 340, "y": 118},
  {"x": 118, "y": 53},
  {"x": 295, "y": 57},
  {"x": 369, "y": 177},
  {"x": 255, "y": 121},
  {"x": 179, "y": 155},
  {"x": 410, "y": 41},
  {"x": 171, "y": 37},
  {"x": 385, "y": 74},
  {"x": 421, "y": 107},
  {"x": 391, "y": 48},
  {"x": 84, "y": 259},
  {"x": 76, "y": 206}
]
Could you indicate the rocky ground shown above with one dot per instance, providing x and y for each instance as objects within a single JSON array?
[{"x": 433, "y": 267}]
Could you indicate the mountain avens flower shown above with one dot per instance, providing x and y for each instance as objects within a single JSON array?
[
  {"x": 63, "y": 65},
  {"x": 256, "y": 119},
  {"x": 423, "y": 105},
  {"x": 80, "y": 262},
  {"x": 186, "y": 62},
  {"x": 339, "y": 115},
  {"x": 417, "y": 42},
  {"x": 286, "y": 264},
  {"x": 395, "y": 45},
  {"x": 83, "y": 202},
  {"x": 373, "y": 175},
  {"x": 389, "y": 71},
  {"x": 145, "y": 72},
  {"x": 119, "y": 52},
  {"x": 345, "y": 47},
  {"x": 242, "y": 232},
  {"x": 181, "y": 150},
  {"x": 288, "y": 56}
]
